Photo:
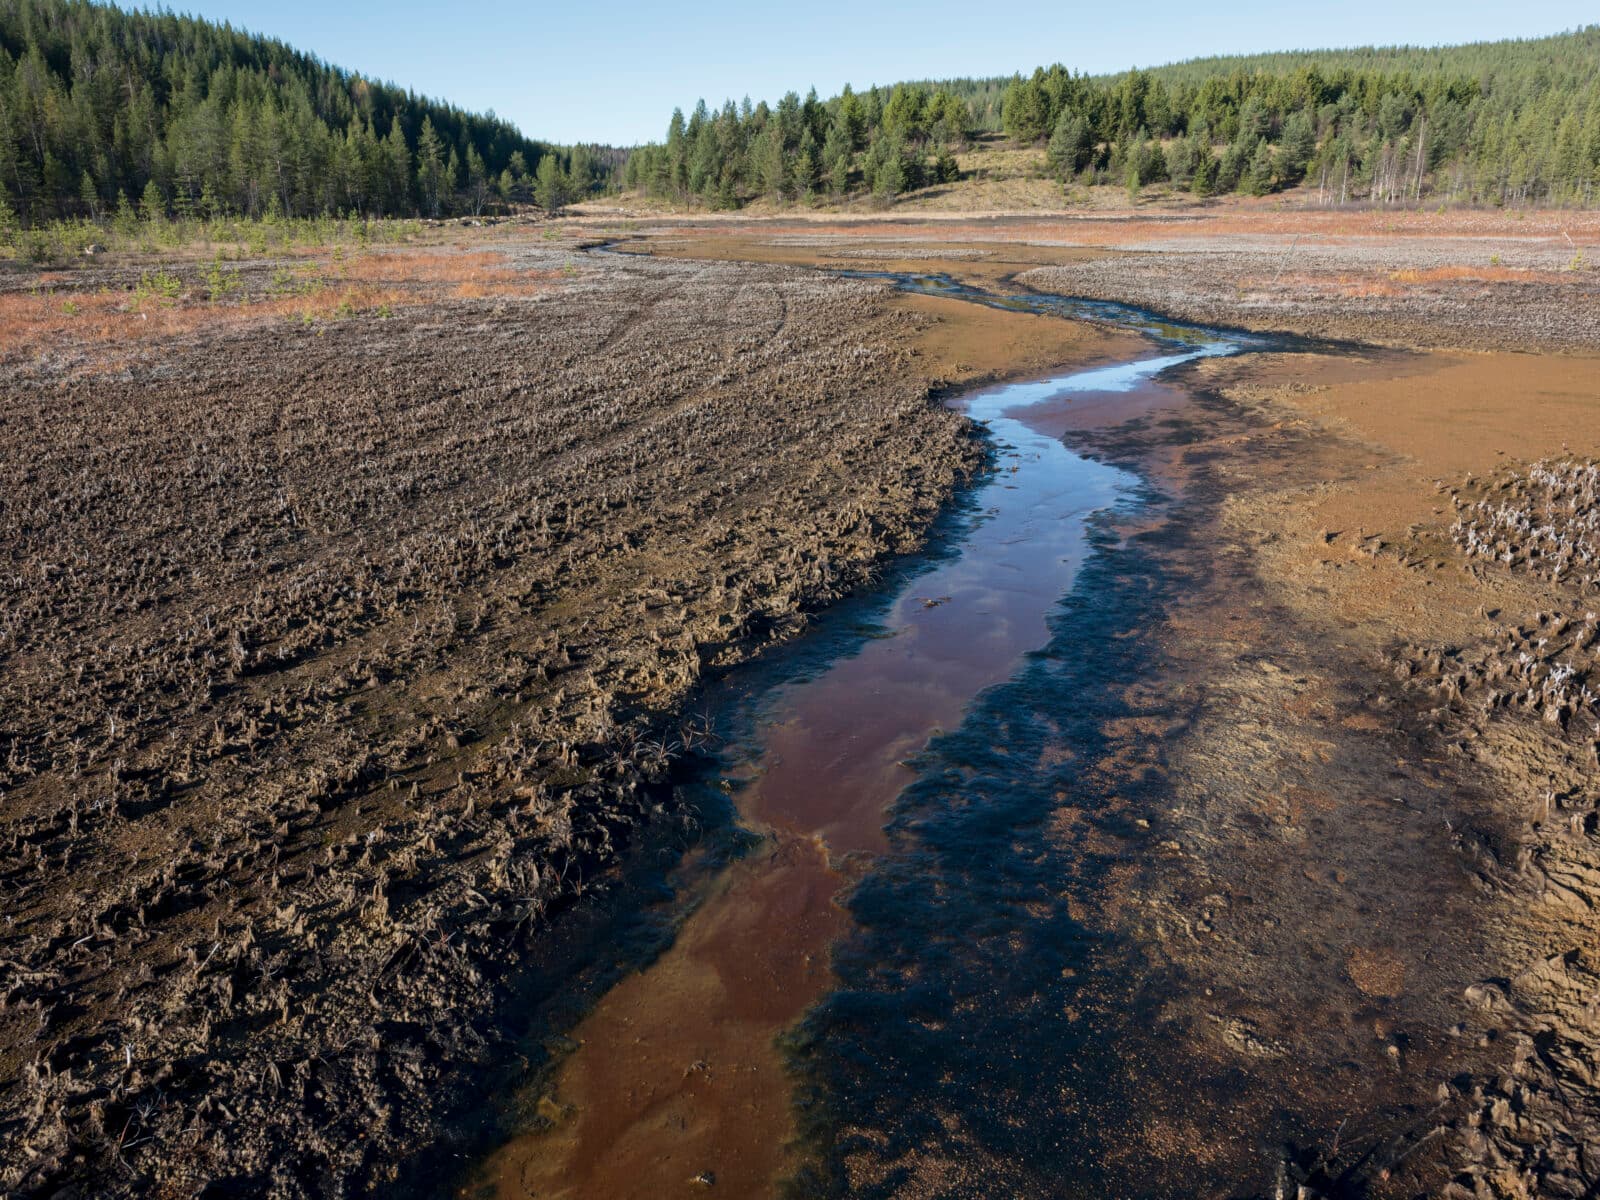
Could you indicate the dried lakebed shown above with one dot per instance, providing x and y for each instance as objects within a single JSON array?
[{"x": 683, "y": 1075}]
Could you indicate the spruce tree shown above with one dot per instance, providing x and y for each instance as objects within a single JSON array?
[
  {"x": 1070, "y": 144},
  {"x": 153, "y": 206},
  {"x": 1259, "y": 176},
  {"x": 396, "y": 172}
]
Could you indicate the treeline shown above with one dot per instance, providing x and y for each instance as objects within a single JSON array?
[
  {"x": 1505, "y": 122},
  {"x": 104, "y": 111},
  {"x": 883, "y": 141},
  {"x": 1511, "y": 122}
]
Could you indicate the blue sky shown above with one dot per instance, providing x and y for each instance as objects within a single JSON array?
[{"x": 613, "y": 72}]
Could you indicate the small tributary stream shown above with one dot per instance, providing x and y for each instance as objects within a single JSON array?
[{"x": 680, "y": 1080}]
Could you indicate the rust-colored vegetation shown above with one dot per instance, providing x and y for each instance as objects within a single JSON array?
[{"x": 98, "y": 317}]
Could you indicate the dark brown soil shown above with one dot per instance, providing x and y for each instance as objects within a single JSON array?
[{"x": 337, "y": 659}]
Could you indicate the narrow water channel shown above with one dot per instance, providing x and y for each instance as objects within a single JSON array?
[{"x": 678, "y": 1081}]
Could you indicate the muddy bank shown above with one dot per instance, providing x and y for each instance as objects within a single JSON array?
[
  {"x": 1482, "y": 294},
  {"x": 1459, "y": 280},
  {"x": 1479, "y": 575},
  {"x": 1234, "y": 927},
  {"x": 679, "y": 1075},
  {"x": 339, "y": 661},
  {"x": 1327, "y": 946}
]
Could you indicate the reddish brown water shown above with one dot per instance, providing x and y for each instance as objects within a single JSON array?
[{"x": 677, "y": 1080}]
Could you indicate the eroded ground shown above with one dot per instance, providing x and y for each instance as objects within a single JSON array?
[
  {"x": 1447, "y": 279},
  {"x": 343, "y": 641},
  {"x": 343, "y": 634},
  {"x": 1333, "y": 837}
]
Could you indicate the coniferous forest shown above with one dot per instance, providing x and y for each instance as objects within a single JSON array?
[
  {"x": 103, "y": 110},
  {"x": 1514, "y": 122}
]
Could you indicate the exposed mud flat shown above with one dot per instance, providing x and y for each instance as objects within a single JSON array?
[
  {"x": 340, "y": 661},
  {"x": 1446, "y": 293},
  {"x": 1351, "y": 891},
  {"x": 1329, "y": 948},
  {"x": 678, "y": 1078},
  {"x": 1450, "y": 280},
  {"x": 330, "y": 734}
]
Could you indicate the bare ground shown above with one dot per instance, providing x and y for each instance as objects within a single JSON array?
[
  {"x": 1482, "y": 293},
  {"x": 1347, "y": 818},
  {"x": 1459, "y": 279},
  {"x": 1374, "y": 897},
  {"x": 320, "y": 726},
  {"x": 341, "y": 654}
]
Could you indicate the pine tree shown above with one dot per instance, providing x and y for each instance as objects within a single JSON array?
[
  {"x": 580, "y": 172},
  {"x": 767, "y": 158},
  {"x": 1026, "y": 111},
  {"x": 1259, "y": 176},
  {"x": 430, "y": 167},
  {"x": 806, "y": 165},
  {"x": 1180, "y": 157},
  {"x": 550, "y": 185},
  {"x": 836, "y": 157},
  {"x": 1235, "y": 161},
  {"x": 891, "y": 177},
  {"x": 1296, "y": 147},
  {"x": 852, "y": 118}
]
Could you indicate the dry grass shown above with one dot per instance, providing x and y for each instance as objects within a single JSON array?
[
  {"x": 110, "y": 314},
  {"x": 51, "y": 320},
  {"x": 474, "y": 275},
  {"x": 1474, "y": 275}
]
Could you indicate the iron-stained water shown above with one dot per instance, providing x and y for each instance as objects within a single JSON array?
[{"x": 903, "y": 762}]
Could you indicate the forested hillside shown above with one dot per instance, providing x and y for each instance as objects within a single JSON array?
[
  {"x": 100, "y": 108},
  {"x": 1513, "y": 122}
]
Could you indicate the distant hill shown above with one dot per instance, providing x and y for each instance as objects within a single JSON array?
[
  {"x": 1509, "y": 122},
  {"x": 1565, "y": 61},
  {"x": 97, "y": 104}
]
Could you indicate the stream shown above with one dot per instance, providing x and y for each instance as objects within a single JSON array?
[{"x": 866, "y": 978}]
